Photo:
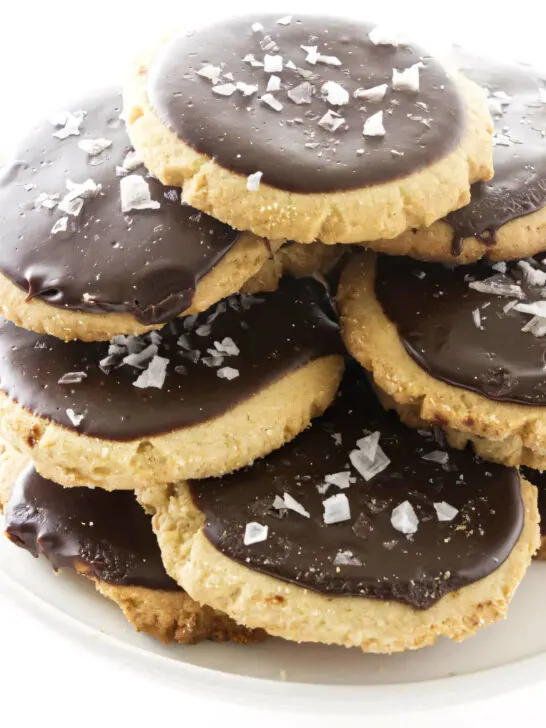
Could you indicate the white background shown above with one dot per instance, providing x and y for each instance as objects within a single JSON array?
[{"x": 49, "y": 51}]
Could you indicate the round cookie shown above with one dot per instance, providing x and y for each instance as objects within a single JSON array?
[
  {"x": 358, "y": 533},
  {"x": 375, "y": 138},
  {"x": 455, "y": 347},
  {"x": 79, "y": 528},
  {"x": 506, "y": 217},
  {"x": 204, "y": 396},
  {"x": 93, "y": 246}
]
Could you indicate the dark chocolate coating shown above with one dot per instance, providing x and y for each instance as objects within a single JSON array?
[
  {"x": 440, "y": 557},
  {"x": 519, "y": 185},
  {"x": 108, "y": 536},
  {"x": 279, "y": 333},
  {"x": 245, "y": 135},
  {"x": 538, "y": 478},
  {"x": 434, "y": 319},
  {"x": 146, "y": 263}
]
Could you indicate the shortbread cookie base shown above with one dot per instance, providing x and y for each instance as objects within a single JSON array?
[
  {"x": 525, "y": 236},
  {"x": 301, "y": 615},
  {"x": 229, "y": 276},
  {"x": 250, "y": 430},
  {"x": 381, "y": 211},
  {"x": 512, "y": 434}
]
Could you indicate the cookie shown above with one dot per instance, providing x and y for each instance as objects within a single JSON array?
[
  {"x": 538, "y": 479},
  {"x": 202, "y": 397},
  {"x": 79, "y": 529},
  {"x": 296, "y": 260},
  {"x": 93, "y": 246},
  {"x": 359, "y": 533},
  {"x": 506, "y": 217},
  {"x": 455, "y": 347},
  {"x": 215, "y": 110}
]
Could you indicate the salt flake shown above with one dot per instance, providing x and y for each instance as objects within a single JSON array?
[
  {"x": 254, "y": 533},
  {"x": 135, "y": 194},
  {"x": 404, "y": 518},
  {"x": 228, "y": 373},
  {"x": 292, "y": 504},
  {"x": 246, "y": 89},
  {"x": 74, "y": 417},
  {"x": 92, "y": 147},
  {"x": 212, "y": 73},
  {"x": 383, "y": 36},
  {"x": 331, "y": 121},
  {"x": 224, "y": 89},
  {"x": 408, "y": 79},
  {"x": 272, "y": 64},
  {"x": 444, "y": 511},
  {"x": 335, "y": 93},
  {"x": 301, "y": 94},
  {"x": 336, "y": 508},
  {"x": 253, "y": 181},
  {"x": 373, "y": 94},
  {"x": 373, "y": 126},
  {"x": 154, "y": 375},
  {"x": 272, "y": 102}
]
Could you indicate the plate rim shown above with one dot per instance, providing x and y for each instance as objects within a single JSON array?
[{"x": 281, "y": 696}]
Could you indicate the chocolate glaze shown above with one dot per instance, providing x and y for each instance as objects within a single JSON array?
[
  {"x": 146, "y": 263},
  {"x": 245, "y": 135},
  {"x": 276, "y": 333},
  {"x": 439, "y": 558},
  {"x": 519, "y": 185},
  {"x": 106, "y": 535},
  {"x": 434, "y": 318},
  {"x": 538, "y": 478}
]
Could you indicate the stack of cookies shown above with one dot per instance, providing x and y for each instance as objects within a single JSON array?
[{"x": 184, "y": 419}]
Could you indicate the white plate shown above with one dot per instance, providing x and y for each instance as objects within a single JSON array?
[{"x": 309, "y": 678}]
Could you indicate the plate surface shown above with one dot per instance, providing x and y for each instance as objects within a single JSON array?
[{"x": 307, "y": 678}]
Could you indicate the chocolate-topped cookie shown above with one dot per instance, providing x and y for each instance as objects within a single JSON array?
[
  {"x": 205, "y": 395},
  {"x": 506, "y": 217},
  {"x": 108, "y": 538},
  {"x": 356, "y": 518},
  {"x": 86, "y": 230},
  {"x": 355, "y": 115},
  {"x": 459, "y": 347}
]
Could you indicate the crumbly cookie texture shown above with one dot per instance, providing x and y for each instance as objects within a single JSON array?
[
  {"x": 297, "y": 614},
  {"x": 512, "y": 434},
  {"x": 229, "y": 276},
  {"x": 250, "y": 430},
  {"x": 170, "y": 616},
  {"x": 381, "y": 211},
  {"x": 296, "y": 260},
  {"x": 518, "y": 238},
  {"x": 174, "y": 616}
]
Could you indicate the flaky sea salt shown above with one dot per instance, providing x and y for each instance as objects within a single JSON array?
[
  {"x": 533, "y": 276},
  {"x": 254, "y": 533},
  {"x": 383, "y": 36},
  {"x": 404, "y": 518},
  {"x": 301, "y": 94},
  {"x": 70, "y": 124},
  {"x": 336, "y": 508},
  {"x": 253, "y": 181},
  {"x": 154, "y": 375},
  {"x": 373, "y": 126},
  {"x": 228, "y": 373},
  {"x": 224, "y": 89},
  {"x": 331, "y": 121},
  {"x": 335, "y": 93},
  {"x": 444, "y": 511},
  {"x": 373, "y": 94},
  {"x": 273, "y": 64},
  {"x": 346, "y": 558},
  {"x": 274, "y": 83},
  {"x": 74, "y": 417},
  {"x": 436, "y": 456},
  {"x": 271, "y": 101},
  {"x": 247, "y": 89},
  {"x": 537, "y": 308},
  {"x": 408, "y": 79},
  {"x": 212, "y": 73},
  {"x": 341, "y": 480},
  {"x": 61, "y": 226},
  {"x": 135, "y": 194},
  {"x": 92, "y": 147},
  {"x": 72, "y": 378},
  {"x": 293, "y": 505}
]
